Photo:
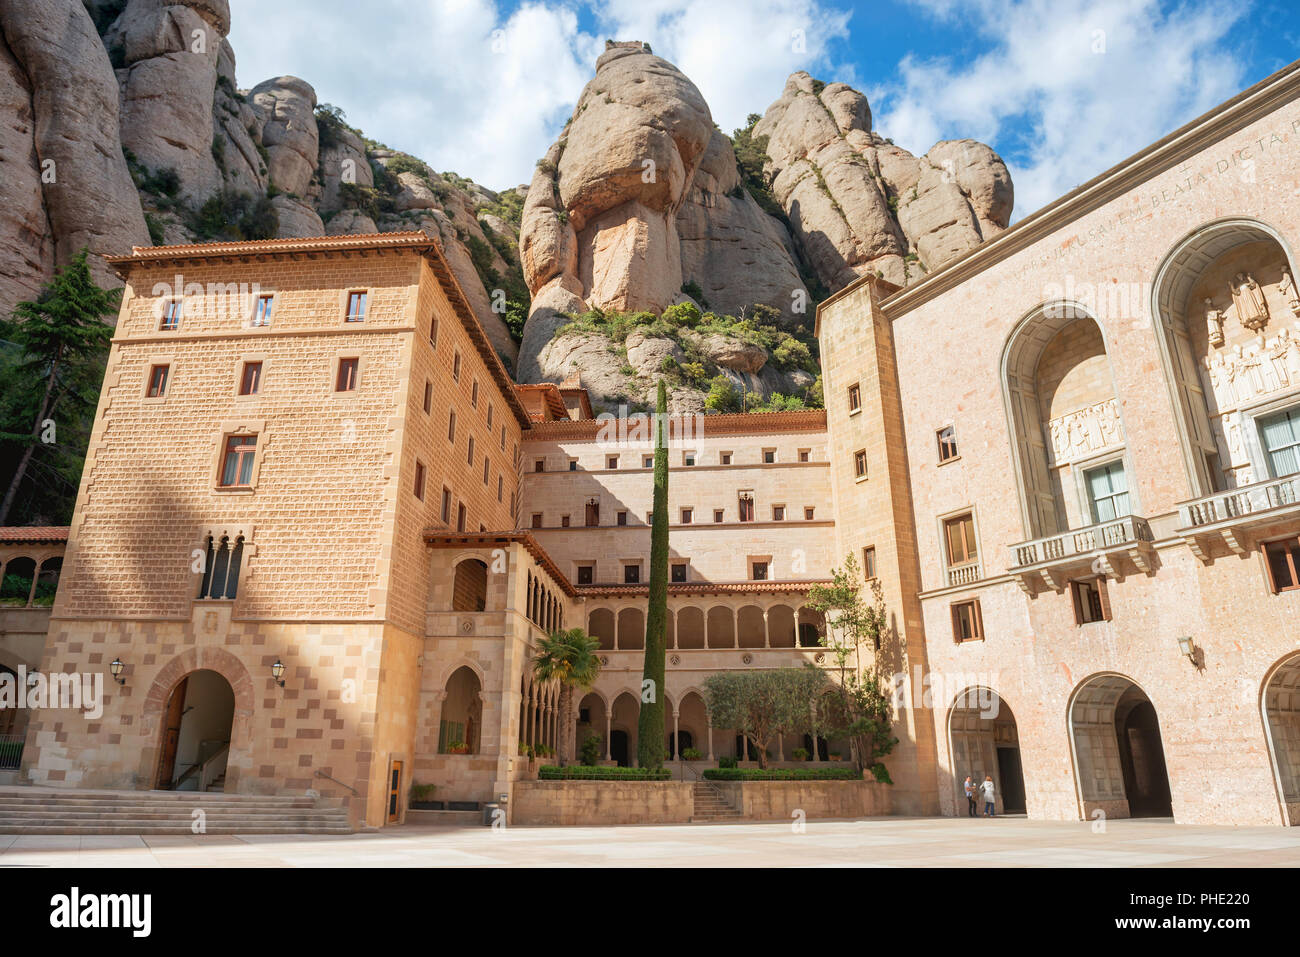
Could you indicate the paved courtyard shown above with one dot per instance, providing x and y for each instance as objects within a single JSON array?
[{"x": 877, "y": 842}]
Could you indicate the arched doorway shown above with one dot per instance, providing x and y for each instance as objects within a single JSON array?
[
  {"x": 1118, "y": 753},
  {"x": 624, "y": 714},
  {"x": 196, "y": 729},
  {"x": 985, "y": 742},
  {"x": 462, "y": 713},
  {"x": 1282, "y": 721},
  {"x": 618, "y": 748}
]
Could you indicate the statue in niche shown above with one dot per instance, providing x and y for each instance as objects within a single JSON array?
[
  {"x": 1277, "y": 352},
  {"x": 1248, "y": 298},
  {"x": 1214, "y": 322},
  {"x": 1247, "y": 377},
  {"x": 1218, "y": 376},
  {"x": 1288, "y": 290}
]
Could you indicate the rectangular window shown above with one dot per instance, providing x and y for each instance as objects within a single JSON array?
[
  {"x": 221, "y": 571},
  {"x": 679, "y": 572},
  {"x": 564, "y": 521},
  {"x": 237, "y": 464},
  {"x": 433, "y": 332},
  {"x": 158, "y": 381},
  {"x": 1283, "y": 560},
  {"x": 503, "y": 442},
  {"x": 769, "y": 456},
  {"x": 490, "y": 408},
  {"x": 688, "y": 459},
  {"x": 746, "y": 503},
  {"x": 778, "y": 513},
  {"x": 687, "y": 515},
  {"x": 500, "y": 486},
  {"x": 356, "y": 307},
  {"x": 346, "y": 381},
  {"x": 808, "y": 513},
  {"x": 428, "y": 397},
  {"x": 250, "y": 380},
  {"x": 860, "y": 463},
  {"x": 460, "y": 517},
  {"x": 1107, "y": 491},
  {"x": 171, "y": 317},
  {"x": 487, "y": 469},
  {"x": 805, "y": 455},
  {"x": 611, "y": 461},
  {"x": 573, "y": 465},
  {"x": 446, "y": 504},
  {"x": 947, "y": 439},
  {"x": 855, "y": 397},
  {"x": 262, "y": 311},
  {"x": 959, "y": 533},
  {"x": 631, "y": 574},
  {"x": 537, "y": 519},
  {"x": 539, "y": 465},
  {"x": 455, "y": 367},
  {"x": 593, "y": 514},
  {"x": 622, "y": 518},
  {"x": 647, "y": 461},
  {"x": 649, "y": 518},
  {"x": 967, "y": 623},
  {"x": 419, "y": 480},
  {"x": 718, "y": 516},
  {"x": 1280, "y": 435},
  {"x": 1090, "y": 600},
  {"x": 759, "y": 571},
  {"x": 451, "y": 426},
  {"x": 473, "y": 395},
  {"x": 470, "y": 458},
  {"x": 869, "y": 562},
  {"x": 586, "y": 574}
]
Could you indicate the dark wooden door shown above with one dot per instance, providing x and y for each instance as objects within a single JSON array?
[
  {"x": 394, "y": 792},
  {"x": 171, "y": 735}
]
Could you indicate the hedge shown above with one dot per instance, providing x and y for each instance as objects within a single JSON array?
[
  {"x": 783, "y": 774},
  {"x": 585, "y": 772}
]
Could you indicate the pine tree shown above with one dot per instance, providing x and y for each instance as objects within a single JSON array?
[
  {"x": 63, "y": 341},
  {"x": 650, "y": 723}
]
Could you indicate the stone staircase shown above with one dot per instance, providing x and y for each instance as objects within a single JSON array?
[
  {"x": 31, "y": 810},
  {"x": 710, "y": 805}
]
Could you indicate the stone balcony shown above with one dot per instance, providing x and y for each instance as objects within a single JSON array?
[
  {"x": 1099, "y": 549},
  {"x": 1230, "y": 517}
]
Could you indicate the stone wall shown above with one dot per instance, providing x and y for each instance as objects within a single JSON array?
[
  {"x": 560, "y": 803},
  {"x": 781, "y": 800}
]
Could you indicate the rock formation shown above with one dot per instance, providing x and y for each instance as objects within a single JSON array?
[
  {"x": 858, "y": 204},
  {"x": 639, "y": 196}
]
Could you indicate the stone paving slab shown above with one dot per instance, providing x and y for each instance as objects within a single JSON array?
[{"x": 876, "y": 842}]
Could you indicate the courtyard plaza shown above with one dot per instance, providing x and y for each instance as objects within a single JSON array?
[{"x": 875, "y": 842}]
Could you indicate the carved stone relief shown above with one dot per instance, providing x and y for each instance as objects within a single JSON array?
[{"x": 1084, "y": 432}]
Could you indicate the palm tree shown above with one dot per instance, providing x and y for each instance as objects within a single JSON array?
[{"x": 568, "y": 657}]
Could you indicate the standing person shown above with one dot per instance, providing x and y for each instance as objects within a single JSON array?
[
  {"x": 987, "y": 788},
  {"x": 970, "y": 797}
]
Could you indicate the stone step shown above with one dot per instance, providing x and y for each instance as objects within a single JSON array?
[{"x": 157, "y": 829}]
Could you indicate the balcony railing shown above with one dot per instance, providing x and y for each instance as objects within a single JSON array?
[
  {"x": 964, "y": 574},
  {"x": 1227, "y": 515},
  {"x": 1049, "y": 558}
]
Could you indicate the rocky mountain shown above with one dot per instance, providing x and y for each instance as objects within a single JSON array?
[{"x": 126, "y": 126}]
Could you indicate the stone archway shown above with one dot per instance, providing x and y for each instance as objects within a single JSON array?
[
  {"x": 1118, "y": 753},
  {"x": 153, "y": 712},
  {"x": 984, "y": 741},
  {"x": 197, "y": 723},
  {"x": 1281, "y": 706}
]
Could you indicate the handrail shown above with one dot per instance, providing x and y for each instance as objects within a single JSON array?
[
  {"x": 701, "y": 779},
  {"x": 1240, "y": 502},
  {"x": 1079, "y": 542},
  {"x": 201, "y": 765},
  {"x": 322, "y": 774}
]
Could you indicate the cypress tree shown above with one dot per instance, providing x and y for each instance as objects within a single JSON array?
[{"x": 650, "y": 723}]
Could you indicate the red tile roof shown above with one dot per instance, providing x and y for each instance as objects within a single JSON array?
[
  {"x": 704, "y": 588},
  {"x": 33, "y": 533}
]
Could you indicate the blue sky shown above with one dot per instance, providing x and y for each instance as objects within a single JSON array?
[{"x": 1061, "y": 89}]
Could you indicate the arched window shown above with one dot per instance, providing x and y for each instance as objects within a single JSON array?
[
  {"x": 223, "y": 558},
  {"x": 469, "y": 587}
]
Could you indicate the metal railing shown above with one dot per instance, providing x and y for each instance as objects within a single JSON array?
[
  {"x": 1240, "y": 502},
  {"x": 11, "y": 751},
  {"x": 1083, "y": 541}
]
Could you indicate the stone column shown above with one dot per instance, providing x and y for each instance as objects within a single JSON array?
[
  {"x": 767, "y": 631},
  {"x": 677, "y": 741},
  {"x": 708, "y": 720},
  {"x": 609, "y": 717},
  {"x": 436, "y": 698}
]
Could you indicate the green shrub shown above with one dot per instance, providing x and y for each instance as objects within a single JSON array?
[
  {"x": 691, "y": 754},
  {"x": 723, "y": 396},
  {"x": 726, "y": 762},
  {"x": 591, "y": 749},
  {"x": 582, "y": 772},
  {"x": 783, "y": 774},
  {"x": 801, "y": 754}
]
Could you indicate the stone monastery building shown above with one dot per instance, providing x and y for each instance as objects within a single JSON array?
[{"x": 323, "y": 531}]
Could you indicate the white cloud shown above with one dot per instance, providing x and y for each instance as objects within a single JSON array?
[
  {"x": 1068, "y": 88},
  {"x": 469, "y": 88}
]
